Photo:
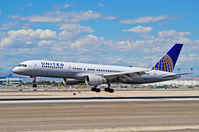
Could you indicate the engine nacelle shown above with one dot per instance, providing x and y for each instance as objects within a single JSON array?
[
  {"x": 94, "y": 80},
  {"x": 72, "y": 81}
]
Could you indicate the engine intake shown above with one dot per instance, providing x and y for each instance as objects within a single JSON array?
[{"x": 94, "y": 80}]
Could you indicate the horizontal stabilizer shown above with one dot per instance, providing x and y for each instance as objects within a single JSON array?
[{"x": 176, "y": 75}]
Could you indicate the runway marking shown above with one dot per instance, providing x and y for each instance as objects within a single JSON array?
[
  {"x": 128, "y": 129},
  {"x": 95, "y": 100}
]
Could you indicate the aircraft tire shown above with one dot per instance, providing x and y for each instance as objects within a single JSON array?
[
  {"x": 98, "y": 90},
  {"x": 111, "y": 90},
  {"x": 34, "y": 85},
  {"x": 106, "y": 89},
  {"x": 93, "y": 89}
]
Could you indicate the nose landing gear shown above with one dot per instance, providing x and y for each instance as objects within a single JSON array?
[{"x": 34, "y": 83}]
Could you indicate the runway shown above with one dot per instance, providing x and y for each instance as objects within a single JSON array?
[
  {"x": 131, "y": 111},
  {"x": 120, "y": 116}
]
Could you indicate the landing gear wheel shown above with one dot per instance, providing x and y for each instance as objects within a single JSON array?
[
  {"x": 98, "y": 90},
  {"x": 106, "y": 89},
  {"x": 34, "y": 85},
  {"x": 93, "y": 89},
  {"x": 111, "y": 90}
]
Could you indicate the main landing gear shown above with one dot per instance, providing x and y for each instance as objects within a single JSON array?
[
  {"x": 108, "y": 89},
  {"x": 34, "y": 83},
  {"x": 96, "y": 89}
]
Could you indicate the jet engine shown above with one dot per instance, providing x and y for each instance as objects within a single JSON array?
[
  {"x": 72, "y": 81},
  {"x": 94, "y": 80}
]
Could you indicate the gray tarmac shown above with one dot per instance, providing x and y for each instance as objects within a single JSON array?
[
  {"x": 122, "y": 111},
  {"x": 120, "y": 116}
]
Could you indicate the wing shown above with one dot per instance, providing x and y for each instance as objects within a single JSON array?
[{"x": 124, "y": 75}]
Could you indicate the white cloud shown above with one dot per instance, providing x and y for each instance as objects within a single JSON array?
[
  {"x": 67, "y": 17},
  {"x": 147, "y": 19},
  {"x": 197, "y": 41},
  {"x": 28, "y": 42},
  {"x": 139, "y": 29},
  {"x": 66, "y": 6},
  {"x": 187, "y": 59},
  {"x": 169, "y": 33},
  {"x": 44, "y": 42},
  {"x": 129, "y": 44},
  {"x": 164, "y": 40},
  {"x": 70, "y": 31},
  {"x": 110, "y": 18},
  {"x": 149, "y": 45},
  {"x": 177, "y": 37},
  {"x": 152, "y": 49},
  {"x": 76, "y": 27},
  {"x": 8, "y": 25},
  {"x": 85, "y": 42},
  {"x": 69, "y": 37},
  {"x": 101, "y": 5},
  {"x": 5, "y": 42},
  {"x": 26, "y": 36},
  {"x": 41, "y": 19},
  {"x": 29, "y": 33}
]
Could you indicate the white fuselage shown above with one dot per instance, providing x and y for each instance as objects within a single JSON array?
[{"x": 43, "y": 68}]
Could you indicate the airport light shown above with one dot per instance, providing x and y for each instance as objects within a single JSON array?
[
  {"x": 178, "y": 73},
  {"x": 191, "y": 69},
  {"x": 192, "y": 74}
]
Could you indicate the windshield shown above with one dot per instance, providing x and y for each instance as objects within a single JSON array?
[{"x": 22, "y": 65}]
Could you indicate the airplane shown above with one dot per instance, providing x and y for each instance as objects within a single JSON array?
[{"x": 95, "y": 74}]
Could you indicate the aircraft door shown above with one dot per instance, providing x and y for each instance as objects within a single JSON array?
[
  {"x": 30, "y": 66},
  {"x": 68, "y": 70},
  {"x": 34, "y": 66},
  {"x": 69, "y": 67}
]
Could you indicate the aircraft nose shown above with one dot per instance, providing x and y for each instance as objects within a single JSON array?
[{"x": 15, "y": 70}]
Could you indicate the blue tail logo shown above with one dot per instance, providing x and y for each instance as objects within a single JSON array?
[{"x": 168, "y": 61}]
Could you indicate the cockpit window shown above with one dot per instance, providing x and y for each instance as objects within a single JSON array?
[{"x": 22, "y": 65}]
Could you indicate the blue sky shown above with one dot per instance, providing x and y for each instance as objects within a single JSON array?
[{"x": 116, "y": 32}]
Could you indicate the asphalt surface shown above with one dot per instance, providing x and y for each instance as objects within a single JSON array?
[
  {"x": 22, "y": 98},
  {"x": 139, "y": 116}
]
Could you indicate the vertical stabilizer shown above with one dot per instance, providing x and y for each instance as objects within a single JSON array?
[{"x": 168, "y": 61}]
